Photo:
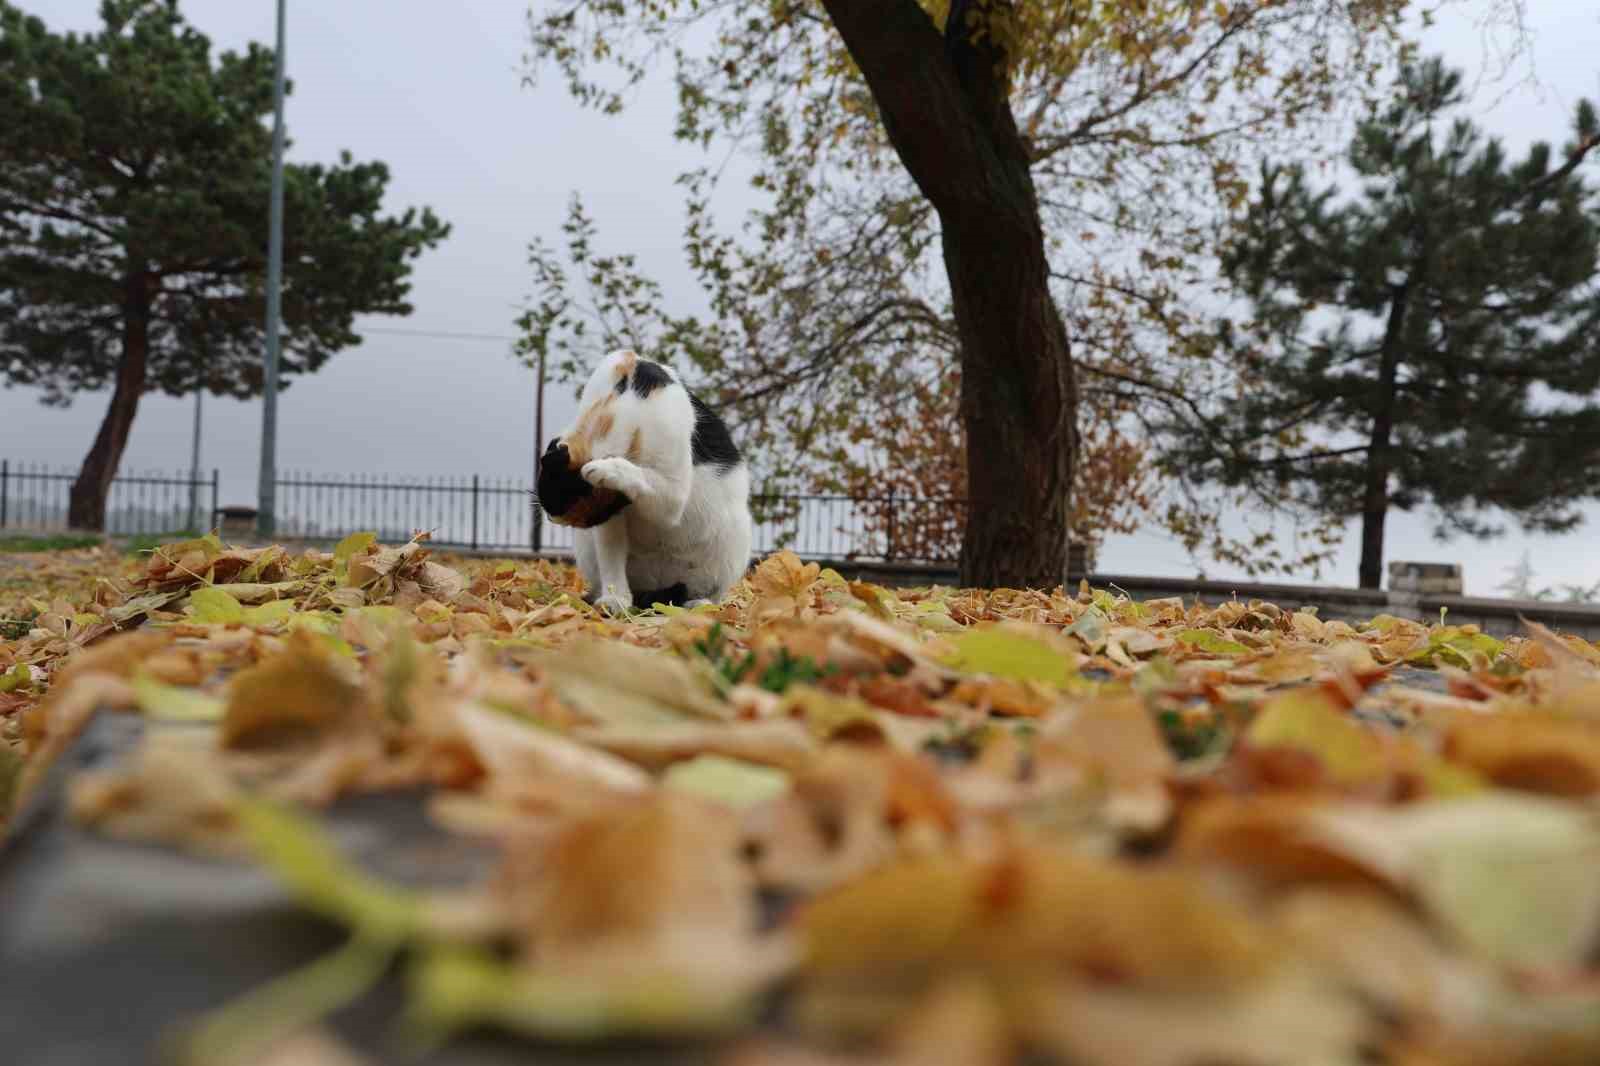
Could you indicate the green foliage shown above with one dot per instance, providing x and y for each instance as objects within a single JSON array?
[
  {"x": 1431, "y": 339},
  {"x": 144, "y": 543},
  {"x": 19, "y": 543},
  {"x": 734, "y": 667},
  {"x": 1192, "y": 737}
]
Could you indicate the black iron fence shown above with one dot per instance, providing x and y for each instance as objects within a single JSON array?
[
  {"x": 35, "y": 497},
  {"x": 497, "y": 514},
  {"x": 493, "y": 514}
]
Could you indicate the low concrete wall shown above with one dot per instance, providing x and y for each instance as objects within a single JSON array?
[{"x": 1496, "y": 616}]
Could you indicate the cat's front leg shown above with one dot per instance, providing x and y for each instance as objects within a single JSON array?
[
  {"x": 658, "y": 498},
  {"x": 613, "y": 593},
  {"x": 588, "y": 562}
]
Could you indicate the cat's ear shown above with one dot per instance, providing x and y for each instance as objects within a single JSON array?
[{"x": 556, "y": 458}]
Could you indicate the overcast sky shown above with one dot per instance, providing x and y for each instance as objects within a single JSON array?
[{"x": 435, "y": 91}]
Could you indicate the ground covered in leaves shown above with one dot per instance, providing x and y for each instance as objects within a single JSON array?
[{"x": 831, "y": 823}]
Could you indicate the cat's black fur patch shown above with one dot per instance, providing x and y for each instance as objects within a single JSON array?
[
  {"x": 561, "y": 486},
  {"x": 622, "y": 385},
  {"x": 676, "y": 595},
  {"x": 712, "y": 444},
  {"x": 648, "y": 377}
]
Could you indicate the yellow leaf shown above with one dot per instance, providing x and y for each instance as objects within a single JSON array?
[
  {"x": 1009, "y": 654},
  {"x": 354, "y": 544},
  {"x": 170, "y": 703},
  {"x": 270, "y": 613},
  {"x": 1210, "y": 641},
  {"x": 733, "y": 782},
  {"x": 1512, "y": 874},
  {"x": 783, "y": 574},
  {"x": 19, "y": 676},
  {"x": 458, "y": 988},
  {"x": 211, "y": 605},
  {"x": 298, "y": 851},
  {"x": 1536, "y": 751},
  {"x": 296, "y": 690},
  {"x": 293, "y": 1003},
  {"x": 1307, "y": 720}
]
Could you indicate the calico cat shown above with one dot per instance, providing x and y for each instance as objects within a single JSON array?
[{"x": 658, "y": 493}]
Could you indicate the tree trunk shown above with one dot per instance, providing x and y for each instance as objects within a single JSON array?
[
  {"x": 945, "y": 105},
  {"x": 87, "y": 507},
  {"x": 1375, "y": 501},
  {"x": 1018, "y": 404}
]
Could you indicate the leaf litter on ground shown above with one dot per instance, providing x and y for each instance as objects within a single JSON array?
[{"x": 985, "y": 824}]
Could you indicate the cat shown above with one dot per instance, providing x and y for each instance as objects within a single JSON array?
[{"x": 654, "y": 486}]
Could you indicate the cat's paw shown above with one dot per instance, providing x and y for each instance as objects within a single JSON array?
[
  {"x": 690, "y": 605},
  {"x": 616, "y": 474},
  {"x": 613, "y": 604}
]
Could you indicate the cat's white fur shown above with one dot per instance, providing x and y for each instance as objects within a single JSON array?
[{"x": 687, "y": 523}]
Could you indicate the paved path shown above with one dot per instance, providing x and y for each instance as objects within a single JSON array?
[{"x": 105, "y": 944}]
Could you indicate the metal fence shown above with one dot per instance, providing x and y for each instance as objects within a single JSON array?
[
  {"x": 35, "y": 497},
  {"x": 497, "y": 514},
  {"x": 493, "y": 514}
]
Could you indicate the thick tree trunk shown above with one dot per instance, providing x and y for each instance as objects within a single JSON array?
[
  {"x": 87, "y": 507},
  {"x": 1018, "y": 404},
  {"x": 1375, "y": 500},
  {"x": 944, "y": 101}
]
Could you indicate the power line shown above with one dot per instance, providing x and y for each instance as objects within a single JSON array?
[{"x": 437, "y": 334}]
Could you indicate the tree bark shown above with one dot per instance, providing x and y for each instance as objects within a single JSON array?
[
  {"x": 1018, "y": 405},
  {"x": 1375, "y": 501},
  {"x": 87, "y": 506},
  {"x": 946, "y": 109}
]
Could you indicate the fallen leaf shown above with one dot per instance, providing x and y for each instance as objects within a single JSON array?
[{"x": 728, "y": 781}]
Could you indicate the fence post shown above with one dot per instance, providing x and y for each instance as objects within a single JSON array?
[
  {"x": 214, "y": 481},
  {"x": 474, "y": 512},
  {"x": 5, "y": 488},
  {"x": 889, "y": 558}
]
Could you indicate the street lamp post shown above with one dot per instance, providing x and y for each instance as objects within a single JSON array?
[{"x": 268, "y": 487}]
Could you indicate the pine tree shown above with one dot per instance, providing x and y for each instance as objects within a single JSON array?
[
  {"x": 1433, "y": 340},
  {"x": 134, "y": 177}
]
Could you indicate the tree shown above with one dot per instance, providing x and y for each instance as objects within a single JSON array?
[
  {"x": 1433, "y": 340},
  {"x": 134, "y": 179},
  {"x": 1519, "y": 584},
  {"x": 942, "y": 191},
  {"x": 916, "y": 462}
]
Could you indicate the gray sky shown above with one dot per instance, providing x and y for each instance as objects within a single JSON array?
[{"x": 434, "y": 91}]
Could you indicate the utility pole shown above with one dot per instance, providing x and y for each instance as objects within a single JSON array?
[
  {"x": 268, "y": 487},
  {"x": 538, "y": 453},
  {"x": 194, "y": 462}
]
